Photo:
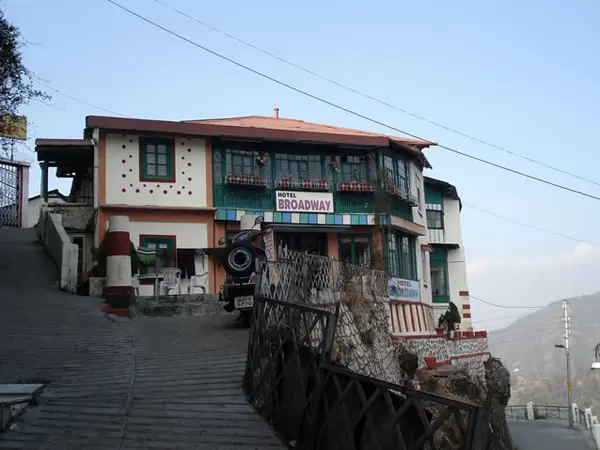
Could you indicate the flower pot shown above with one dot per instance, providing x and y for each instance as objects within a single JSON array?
[{"x": 430, "y": 362}]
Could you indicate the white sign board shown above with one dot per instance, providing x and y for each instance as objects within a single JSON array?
[
  {"x": 304, "y": 202},
  {"x": 404, "y": 290}
]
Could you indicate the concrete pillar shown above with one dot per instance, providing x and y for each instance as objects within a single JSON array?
[
  {"x": 530, "y": 414},
  {"x": 596, "y": 435},
  {"x": 588, "y": 418},
  {"x": 118, "y": 262},
  {"x": 575, "y": 412}
]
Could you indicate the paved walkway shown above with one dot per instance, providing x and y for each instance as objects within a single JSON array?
[
  {"x": 547, "y": 435},
  {"x": 171, "y": 383}
]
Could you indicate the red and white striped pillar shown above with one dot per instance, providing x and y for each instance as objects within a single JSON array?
[
  {"x": 118, "y": 260},
  {"x": 466, "y": 323}
]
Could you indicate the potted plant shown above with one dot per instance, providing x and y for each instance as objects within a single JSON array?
[{"x": 450, "y": 319}]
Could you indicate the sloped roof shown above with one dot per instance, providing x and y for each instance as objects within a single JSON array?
[
  {"x": 265, "y": 128},
  {"x": 280, "y": 123},
  {"x": 43, "y": 142}
]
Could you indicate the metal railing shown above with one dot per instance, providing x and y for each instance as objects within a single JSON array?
[{"x": 292, "y": 382}]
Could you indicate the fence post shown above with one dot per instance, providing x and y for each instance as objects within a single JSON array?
[
  {"x": 588, "y": 418},
  {"x": 575, "y": 415},
  {"x": 596, "y": 435},
  {"x": 530, "y": 414}
]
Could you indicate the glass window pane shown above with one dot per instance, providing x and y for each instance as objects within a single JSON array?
[
  {"x": 151, "y": 158},
  {"x": 162, "y": 148},
  {"x": 162, "y": 159},
  {"x": 150, "y": 169},
  {"x": 162, "y": 171},
  {"x": 150, "y": 148}
]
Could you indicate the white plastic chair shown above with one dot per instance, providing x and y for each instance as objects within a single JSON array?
[
  {"x": 170, "y": 279},
  {"x": 199, "y": 281}
]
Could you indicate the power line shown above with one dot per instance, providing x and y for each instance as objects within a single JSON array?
[
  {"x": 347, "y": 110},
  {"x": 505, "y": 306},
  {"x": 375, "y": 99},
  {"x": 77, "y": 99},
  {"x": 554, "y": 233}
]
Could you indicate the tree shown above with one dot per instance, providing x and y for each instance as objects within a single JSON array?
[
  {"x": 16, "y": 81},
  {"x": 450, "y": 318}
]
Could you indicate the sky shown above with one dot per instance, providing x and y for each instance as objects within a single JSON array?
[{"x": 521, "y": 75}]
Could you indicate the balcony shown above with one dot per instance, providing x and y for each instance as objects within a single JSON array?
[{"x": 248, "y": 178}]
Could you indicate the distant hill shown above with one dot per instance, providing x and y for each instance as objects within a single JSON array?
[{"x": 538, "y": 369}]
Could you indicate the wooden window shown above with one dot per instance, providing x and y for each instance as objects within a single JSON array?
[
  {"x": 439, "y": 286},
  {"x": 156, "y": 243},
  {"x": 300, "y": 167},
  {"x": 401, "y": 255},
  {"x": 435, "y": 219},
  {"x": 241, "y": 162},
  {"x": 157, "y": 159},
  {"x": 354, "y": 168},
  {"x": 356, "y": 249},
  {"x": 396, "y": 170}
]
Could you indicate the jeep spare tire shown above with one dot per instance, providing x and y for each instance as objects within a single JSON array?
[{"x": 240, "y": 259}]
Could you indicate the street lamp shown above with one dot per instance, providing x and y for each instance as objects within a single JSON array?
[{"x": 596, "y": 365}]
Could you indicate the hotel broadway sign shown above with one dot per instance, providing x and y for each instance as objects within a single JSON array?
[{"x": 304, "y": 202}]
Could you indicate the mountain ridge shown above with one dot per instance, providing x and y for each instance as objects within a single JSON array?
[{"x": 538, "y": 369}]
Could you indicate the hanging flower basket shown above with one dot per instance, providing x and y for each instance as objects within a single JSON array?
[
  {"x": 355, "y": 186},
  {"x": 246, "y": 180}
]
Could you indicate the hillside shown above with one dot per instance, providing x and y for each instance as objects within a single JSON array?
[{"x": 538, "y": 369}]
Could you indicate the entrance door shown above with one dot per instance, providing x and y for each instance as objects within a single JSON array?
[{"x": 316, "y": 243}]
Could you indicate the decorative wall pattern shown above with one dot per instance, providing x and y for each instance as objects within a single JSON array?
[
  {"x": 123, "y": 181},
  {"x": 300, "y": 218},
  {"x": 445, "y": 349}
]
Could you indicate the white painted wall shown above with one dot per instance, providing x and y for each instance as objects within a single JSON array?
[
  {"x": 33, "y": 210},
  {"x": 452, "y": 228},
  {"x": 189, "y": 235},
  {"x": 123, "y": 185}
]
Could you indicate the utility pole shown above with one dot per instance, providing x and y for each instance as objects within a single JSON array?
[{"x": 567, "y": 320}]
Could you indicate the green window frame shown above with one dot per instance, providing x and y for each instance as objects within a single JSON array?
[
  {"x": 356, "y": 255},
  {"x": 301, "y": 167},
  {"x": 353, "y": 168},
  {"x": 241, "y": 162},
  {"x": 157, "y": 159},
  {"x": 156, "y": 242},
  {"x": 435, "y": 219},
  {"x": 438, "y": 267},
  {"x": 396, "y": 169},
  {"x": 401, "y": 258}
]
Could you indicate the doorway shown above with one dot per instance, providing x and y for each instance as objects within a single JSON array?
[{"x": 315, "y": 243}]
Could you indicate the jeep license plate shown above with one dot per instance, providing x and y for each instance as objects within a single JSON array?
[{"x": 245, "y": 301}]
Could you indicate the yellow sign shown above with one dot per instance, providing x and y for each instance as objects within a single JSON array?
[{"x": 13, "y": 127}]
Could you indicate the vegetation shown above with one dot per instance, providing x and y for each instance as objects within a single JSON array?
[
  {"x": 538, "y": 369},
  {"x": 450, "y": 318},
  {"x": 16, "y": 81}
]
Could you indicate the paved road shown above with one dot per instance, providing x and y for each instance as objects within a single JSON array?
[
  {"x": 547, "y": 435},
  {"x": 150, "y": 383}
]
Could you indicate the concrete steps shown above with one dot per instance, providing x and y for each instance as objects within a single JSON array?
[{"x": 14, "y": 399}]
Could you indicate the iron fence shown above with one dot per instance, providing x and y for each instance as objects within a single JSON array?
[
  {"x": 516, "y": 412},
  {"x": 292, "y": 382},
  {"x": 540, "y": 412},
  {"x": 10, "y": 200}
]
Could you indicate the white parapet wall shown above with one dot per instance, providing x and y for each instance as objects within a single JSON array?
[{"x": 63, "y": 252}]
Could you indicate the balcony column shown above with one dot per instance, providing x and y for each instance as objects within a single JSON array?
[
  {"x": 119, "y": 282},
  {"x": 44, "y": 181}
]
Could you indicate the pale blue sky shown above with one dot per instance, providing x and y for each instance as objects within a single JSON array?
[{"x": 522, "y": 75}]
